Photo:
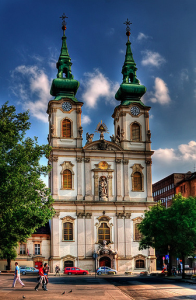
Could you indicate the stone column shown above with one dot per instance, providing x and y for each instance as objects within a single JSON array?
[
  {"x": 96, "y": 186},
  {"x": 55, "y": 243},
  {"x": 79, "y": 178},
  {"x": 109, "y": 178},
  {"x": 128, "y": 234},
  {"x": 120, "y": 228},
  {"x": 149, "y": 179},
  {"x": 118, "y": 180},
  {"x": 126, "y": 180},
  {"x": 88, "y": 183},
  {"x": 81, "y": 235},
  {"x": 88, "y": 235},
  {"x": 55, "y": 181}
]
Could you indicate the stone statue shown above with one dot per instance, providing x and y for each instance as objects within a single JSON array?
[
  {"x": 89, "y": 137},
  {"x": 103, "y": 187},
  {"x": 115, "y": 139}
]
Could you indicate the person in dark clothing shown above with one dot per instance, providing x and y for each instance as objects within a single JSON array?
[
  {"x": 179, "y": 268},
  {"x": 41, "y": 279}
]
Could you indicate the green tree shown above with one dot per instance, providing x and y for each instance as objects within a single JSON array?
[
  {"x": 171, "y": 230},
  {"x": 25, "y": 201}
]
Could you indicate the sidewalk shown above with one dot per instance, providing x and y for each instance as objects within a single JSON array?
[{"x": 62, "y": 288}]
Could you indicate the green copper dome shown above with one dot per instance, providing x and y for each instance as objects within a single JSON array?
[
  {"x": 64, "y": 85},
  {"x": 130, "y": 89}
]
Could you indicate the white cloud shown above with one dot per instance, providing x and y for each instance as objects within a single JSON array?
[
  {"x": 184, "y": 76},
  {"x": 32, "y": 86},
  {"x": 121, "y": 51},
  {"x": 167, "y": 161},
  {"x": 85, "y": 120},
  {"x": 152, "y": 59},
  {"x": 142, "y": 36},
  {"x": 161, "y": 92},
  {"x": 96, "y": 85}
]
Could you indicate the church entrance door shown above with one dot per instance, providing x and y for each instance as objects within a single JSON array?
[{"x": 105, "y": 262}]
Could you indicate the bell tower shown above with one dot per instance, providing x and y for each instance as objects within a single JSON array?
[
  {"x": 131, "y": 117},
  {"x": 64, "y": 110}
]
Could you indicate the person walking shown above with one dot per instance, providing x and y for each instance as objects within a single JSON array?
[
  {"x": 179, "y": 268},
  {"x": 46, "y": 271},
  {"x": 57, "y": 270},
  {"x": 17, "y": 276},
  {"x": 41, "y": 279}
]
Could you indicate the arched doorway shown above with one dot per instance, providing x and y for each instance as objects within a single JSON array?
[
  {"x": 68, "y": 263},
  {"x": 105, "y": 262}
]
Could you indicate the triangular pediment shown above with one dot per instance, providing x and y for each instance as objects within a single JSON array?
[{"x": 103, "y": 145}]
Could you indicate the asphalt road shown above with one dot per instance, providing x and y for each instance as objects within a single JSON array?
[{"x": 103, "y": 287}]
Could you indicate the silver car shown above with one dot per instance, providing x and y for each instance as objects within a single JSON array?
[
  {"x": 105, "y": 270},
  {"x": 29, "y": 270}
]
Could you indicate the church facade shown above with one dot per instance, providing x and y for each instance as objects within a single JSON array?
[{"x": 102, "y": 189}]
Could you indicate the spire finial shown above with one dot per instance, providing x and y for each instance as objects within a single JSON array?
[
  {"x": 64, "y": 23},
  {"x": 128, "y": 23}
]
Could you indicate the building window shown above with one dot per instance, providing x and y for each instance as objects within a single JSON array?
[
  {"x": 135, "y": 132},
  {"x": 67, "y": 180},
  {"x": 137, "y": 181},
  {"x": 118, "y": 131},
  {"x": 68, "y": 231},
  {"x": 66, "y": 128},
  {"x": 137, "y": 233},
  {"x": 104, "y": 233},
  {"x": 22, "y": 249},
  {"x": 37, "y": 249},
  {"x": 139, "y": 264}
]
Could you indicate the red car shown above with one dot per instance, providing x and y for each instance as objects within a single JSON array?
[{"x": 75, "y": 271}]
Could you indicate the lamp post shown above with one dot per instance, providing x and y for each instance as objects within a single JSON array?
[{"x": 95, "y": 258}]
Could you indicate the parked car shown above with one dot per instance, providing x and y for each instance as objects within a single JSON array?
[
  {"x": 105, "y": 270},
  {"x": 75, "y": 271},
  {"x": 28, "y": 270}
]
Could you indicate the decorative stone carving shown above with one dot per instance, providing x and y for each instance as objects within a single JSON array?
[
  {"x": 103, "y": 165},
  {"x": 148, "y": 161},
  {"x": 127, "y": 215},
  {"x": 79, "y": 159},
  {"x": 118, "y": 161},
  {"x": 68, "y": 219},
  {"x": 106, "y": 250},
  {"x": 78, "y": 111},
  {"x": 53, "y": 158},
  {"x": 89, "y": 137},
  {"x": 80, "y": 215},
  {"x": 115, "y": 139},
  {"x": 104, "y": 218},
  {"x": 120, "y": 215},
  {"x": 103, "y": 145},
  {"x": 137, "y": 168},
  {"x": 57, "y": 214},
  {"x": 122, "y": 114},
  {"x": 122, "y": 133},
  {"x": 87, "y": 159},
  {"x": 137, "y": 219},
  {"x": 52, "y": 129},
  {"x": 125, "y": 161},
  {"x": 88, "y": 215},
  {"x": 149, "y": 136},
  {"x": 146, "y": 114},
  {"x": 80, "y": 131},
  {"x": 67, "y": 165}
]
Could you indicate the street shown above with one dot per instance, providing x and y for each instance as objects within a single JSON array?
[{"x": 102, "y": 287}]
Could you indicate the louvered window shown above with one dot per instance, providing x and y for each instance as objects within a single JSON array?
[
  {"x": 135, "y": 133},
  {"x": 67, "y": 180},
  {"x": 66, "y": 128},
  {"x": 137, "y": 181},
  {"x": 68, "y": 231},
  {"x": 139, "y": 264},
  {"x": 104, "y": 233}
]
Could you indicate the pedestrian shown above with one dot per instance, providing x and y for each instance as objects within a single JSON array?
[
  {"x": 46, "y": 271},
  {"x": 57, "y": 270},
  {"x": 41, "y": 279},
  {"x": 179, "y": 268},
  {"x": 164, "y": 268},
  {"x": 17, "y": 276}
]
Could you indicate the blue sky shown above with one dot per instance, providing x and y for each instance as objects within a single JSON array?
[{"x": 163, "y": 37}]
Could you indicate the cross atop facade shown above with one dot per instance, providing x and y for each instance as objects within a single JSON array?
[
  {"x": 63, "y": 19},
  {"x": 128, "y": 23}
]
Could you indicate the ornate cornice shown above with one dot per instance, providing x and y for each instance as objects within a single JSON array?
[{"x": 118, "y": 160}]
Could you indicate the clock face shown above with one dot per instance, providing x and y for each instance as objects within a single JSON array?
[
  {"x": 135, "y": 110},
  {"x": 66, "y": 106}
]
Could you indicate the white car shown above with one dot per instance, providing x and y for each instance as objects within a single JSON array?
[{"x": 105, "y": 270}]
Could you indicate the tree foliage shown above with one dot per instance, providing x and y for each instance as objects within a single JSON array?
[
  {"x": 171, "y": 230},
  {"x": 25, "y": 201}
]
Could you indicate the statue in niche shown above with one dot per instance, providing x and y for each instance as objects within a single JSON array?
[{"x": 103, "y": 189}]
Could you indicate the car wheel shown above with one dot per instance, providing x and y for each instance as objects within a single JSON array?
[
  {"x": 84, "y": 273},
  {"x": 69, "y": 273},
  {"x": 23, "y": 273},
  {"x": 99, "y": 273}
]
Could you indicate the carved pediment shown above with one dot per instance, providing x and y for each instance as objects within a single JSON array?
[
  {"x": 139, "y": 256},
  {"x": 137, "y": 220},
  {"x": 67, "y": 165},
  {"x": 104, "y": 218},
  {"x": 69, "y": 257},
  {"x": 68, "y": 219},
  {"x": 103, "y": 145}
]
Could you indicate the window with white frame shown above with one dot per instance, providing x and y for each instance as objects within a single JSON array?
[
  {"x": 37, "y": 249},
  {"x": 22, "y": 249}
]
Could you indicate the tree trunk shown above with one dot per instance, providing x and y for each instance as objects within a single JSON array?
[
  {"x": 8, "y": 264},
  {"x": 170, "y": 264},
  {"x": 183, "y": 266}
]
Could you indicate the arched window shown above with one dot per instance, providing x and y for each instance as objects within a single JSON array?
[
  {"x": 104, "y": 233},
  {"x": 68, "y": 231},
  {"x": 135, "y": 132},
  {"x": 118, "y": 131},
  {"x": 137, "y": 178},
  {"x": 66, "y": 128},
  {"x": 139, "y": 264},
  {"x": 67, "y": 179}
]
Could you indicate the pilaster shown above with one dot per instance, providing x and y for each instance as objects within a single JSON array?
[
  {"x": 79, "y": 178},
  {"x": 126, "y": 179},
  {"x": 149, "y": 179},
  {"x": 119, "y": 179},
  {"x": 55, "y": 243},
  {"x": 88, "y": 183},
  {"x": 55, "y": 182}
]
